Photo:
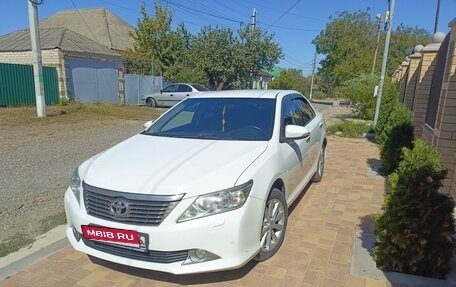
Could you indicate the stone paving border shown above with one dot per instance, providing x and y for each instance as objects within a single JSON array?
[{"x": 323, "y": 226}]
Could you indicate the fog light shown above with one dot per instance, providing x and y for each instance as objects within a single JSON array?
[
  {"x": 198, "y": 256},
  {"x": 76, "y": 234}
]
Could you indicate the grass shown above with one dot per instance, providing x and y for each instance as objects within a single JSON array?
[
  {"x": 52, "y": 221},
  {"x": 350, "y": 129},
  {"x": 14, "y": 244},
  {"x": 20, "y": 240},
  {"x": 76, "y": 112},
  {"x": 65, "y": 114}
]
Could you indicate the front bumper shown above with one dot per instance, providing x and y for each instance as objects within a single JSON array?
[{"x": 233, "y": 236}]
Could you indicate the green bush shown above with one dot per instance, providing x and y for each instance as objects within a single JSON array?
[
  {"x": 414, "y": 233},
  {"x": 360, "y": 92},
  {"x": 350, "y": 129},
  {"x": 397, "y": 134},
  {"x": 389, "y": 101}
]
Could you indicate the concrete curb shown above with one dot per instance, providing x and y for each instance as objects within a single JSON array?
[
  {"x": 43, "y": 246},
  {"x": 363, "y": 265},
  {"x": 15, "y": 267}
]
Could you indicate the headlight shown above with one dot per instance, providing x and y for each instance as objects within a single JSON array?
[
  {"x": 75, "y": 184},
  {"x": 217, "y": 202}
]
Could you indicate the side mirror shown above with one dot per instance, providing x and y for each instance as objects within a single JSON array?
[
  {"x": 161, "y": 91},
  {"x": 148, "y": 124},
  {"x": 296, "y": 132}
]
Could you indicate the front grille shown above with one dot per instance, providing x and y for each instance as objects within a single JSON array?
[
  {"x": 143, "y": 209},
  {"x": 149, "y": 256}
]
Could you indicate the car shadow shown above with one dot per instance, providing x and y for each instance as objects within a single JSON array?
[{"x": 188, "y": 279}]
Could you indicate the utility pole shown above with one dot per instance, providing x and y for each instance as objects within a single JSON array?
[
  {"x": 36, "y": 58},
  {"x": 313, "y": 75},
  {"x": 253, "y": 24},
  {"x": 437, "y": 16},
  {"x": 389, "y": 21},
  {"x": 379, "y": 19},
  {"x": 252, "y": 30}
]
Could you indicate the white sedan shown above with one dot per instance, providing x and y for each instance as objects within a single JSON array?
[
  {"x": 205, "y": 187},
  {"x": 172, "y": 94}
]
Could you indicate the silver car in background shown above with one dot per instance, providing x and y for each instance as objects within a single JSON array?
[{"x": 172, "y": 94}]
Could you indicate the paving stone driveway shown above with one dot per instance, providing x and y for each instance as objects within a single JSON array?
[{"x": 317, "y": 250}]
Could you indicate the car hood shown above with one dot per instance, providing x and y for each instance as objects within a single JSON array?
[{"x": 167, "y": 166}]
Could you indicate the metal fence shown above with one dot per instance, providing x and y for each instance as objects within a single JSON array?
[
  {"x": 17, "y": 85},
  {"x": 93, "y": 81},
  {"x": 136, "y": 86}
]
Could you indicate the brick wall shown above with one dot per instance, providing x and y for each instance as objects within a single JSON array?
[
  {"x": 417, "y": 82},
  {"x": 423, "y": 88},
  {"x": 445, "y": 127},
  {"x": 404, "y": 79},
  {"x": 410, "y": 88},
  {"x": 49, "y": 58}
]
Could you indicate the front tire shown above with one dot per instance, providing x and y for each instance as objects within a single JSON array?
[
  {"x": 151, "y": 102},
  {"x": 320, "y": 165},
  {"x": 274, "y": 225}
]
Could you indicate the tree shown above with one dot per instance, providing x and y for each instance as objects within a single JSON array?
[
  {"x": 156, "y": 47},
  {"x": 291, "y": 79},
  {"x": 217, "y": 57},
  {"x": 230, "y": 60},
  {"x": 403, "y": 41},
  {"x": 259, "y": 51},
  {"x": 359, "y": 91},
  {"x": 184, "y": 68},
  {"x": 348, "y": 43},
  {"x": 216, "y": 53}
]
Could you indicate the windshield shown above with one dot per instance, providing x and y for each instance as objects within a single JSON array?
[{"x": 218, "y": 118}]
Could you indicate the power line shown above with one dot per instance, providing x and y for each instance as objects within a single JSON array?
[
  {"x": 85, "y": 22},
  {"x": 228, "y": 7},
  {"x": 290, "y": 28},
  {"x": 184, "y": 10},
  {"x": 119, "y": 6},
  {"x": 284, "y": 13},
  {"x": 275, "y": 10},
  {"x": 201, "y": 12}
]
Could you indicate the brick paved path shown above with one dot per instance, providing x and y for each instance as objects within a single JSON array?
[{"x": 317, "y": 250}]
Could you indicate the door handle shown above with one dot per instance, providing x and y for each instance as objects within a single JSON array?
[
  {"x": 188, "y": 95},
  {"x": 320, "y": 125},
  {"x": 171, "y": 95},
  {"x": 308, "y": 139}
]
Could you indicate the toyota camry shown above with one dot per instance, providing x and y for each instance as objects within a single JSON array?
[{"x": 204, "y": 187}]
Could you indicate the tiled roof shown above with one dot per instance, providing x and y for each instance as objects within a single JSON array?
[
  {"x": 98, "y": 24},
  {"x": 52, "y": 38}
]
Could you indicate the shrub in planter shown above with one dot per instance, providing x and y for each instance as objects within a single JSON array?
[
  {"x": 389, "y": 101},
  {"x": 414, "y": 233},
  {"x": 397, "y": 133}
]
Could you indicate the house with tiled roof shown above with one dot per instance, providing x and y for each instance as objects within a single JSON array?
[{"x": 83, "y": 45}]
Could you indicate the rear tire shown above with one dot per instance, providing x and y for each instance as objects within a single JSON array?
[
  {"x": 320, "y": 165},
  {"x": 151, "y": 102},
  {"x": 274, "y": 225}
]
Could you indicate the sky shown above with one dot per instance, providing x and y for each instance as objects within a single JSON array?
[{"x": 294, "y": 23}]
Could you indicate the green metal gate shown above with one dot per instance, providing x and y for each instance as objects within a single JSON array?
[{"x": 17, "y": 85}]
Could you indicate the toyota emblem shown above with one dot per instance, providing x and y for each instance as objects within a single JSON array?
[{"x": 119, "y": 208}]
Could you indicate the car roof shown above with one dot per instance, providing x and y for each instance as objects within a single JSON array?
[{"x": 264, "y": 94}]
